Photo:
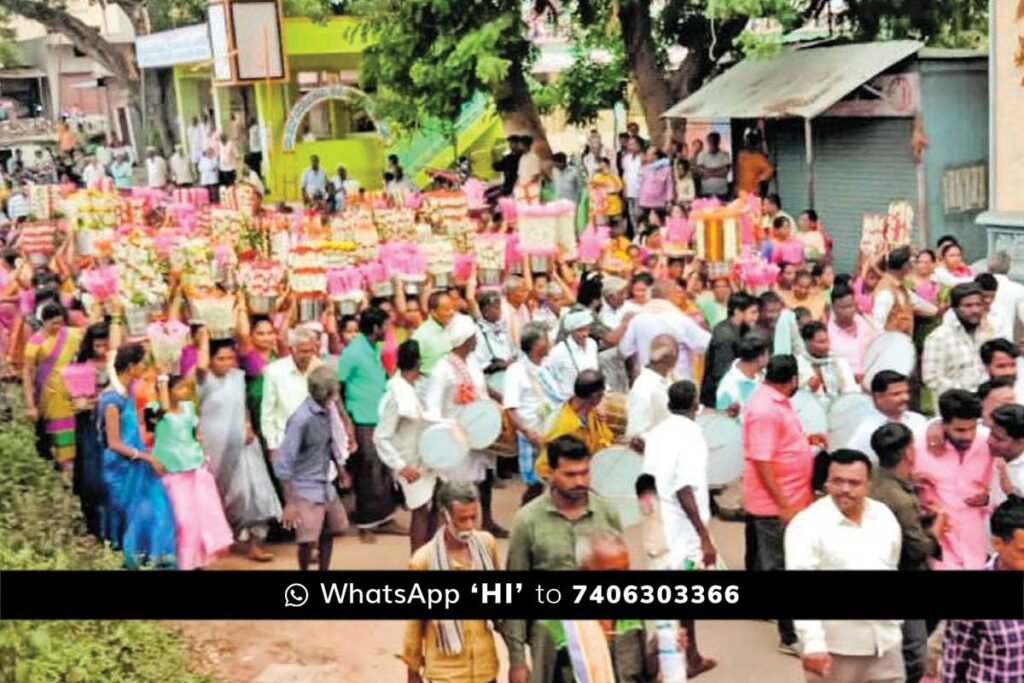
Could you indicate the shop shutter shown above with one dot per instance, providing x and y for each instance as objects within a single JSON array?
[{"x": 861, "y": 166}]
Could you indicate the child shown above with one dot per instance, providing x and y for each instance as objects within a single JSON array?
[{"x": 201, "y": 530}]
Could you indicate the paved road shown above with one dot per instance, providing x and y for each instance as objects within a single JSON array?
[{"x": 358, "y": 651}]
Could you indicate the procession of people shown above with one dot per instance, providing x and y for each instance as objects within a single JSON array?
[{"x": 209, "y": 373}]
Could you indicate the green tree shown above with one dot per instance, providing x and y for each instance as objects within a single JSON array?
[
  {"x": 9, "y": 54},
  {"x": 430, "y": 56}
]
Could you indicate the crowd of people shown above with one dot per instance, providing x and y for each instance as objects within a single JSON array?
[{"x": 305, "y": 427}]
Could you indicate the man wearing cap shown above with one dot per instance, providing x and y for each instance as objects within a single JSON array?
[
  {"x": 156, "y": 169},
  {"x": 614, "y": 312},
  {"x": 456, "y": 381},
  {"x": 574, "y": 354}
]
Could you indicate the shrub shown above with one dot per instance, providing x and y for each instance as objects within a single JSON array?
[{"x": 41, "y": 527}]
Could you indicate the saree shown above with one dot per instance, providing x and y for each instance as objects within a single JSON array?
[
  {"x": 139, "y": 519},
  {"x": 50, "y": 355}
]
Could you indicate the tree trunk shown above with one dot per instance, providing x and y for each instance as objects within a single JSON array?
[
  {"x": 651, "y": 90},
  {"x": 158, "y": 87},
  {"x": 518, "y": 113}
]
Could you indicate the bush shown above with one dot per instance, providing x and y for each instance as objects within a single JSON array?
[{"x": 41, "y": 527}]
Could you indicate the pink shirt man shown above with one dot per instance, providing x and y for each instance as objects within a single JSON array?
[
  {"x": 851, "y": 343},
  {"x": 957, "y": 478},
  {"x": 772, "y": 433}
]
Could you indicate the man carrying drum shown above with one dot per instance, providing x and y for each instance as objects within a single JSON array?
[{"x": 456, "y": 381}]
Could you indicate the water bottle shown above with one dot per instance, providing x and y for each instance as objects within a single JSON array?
[{"x": 671, "y": 660}]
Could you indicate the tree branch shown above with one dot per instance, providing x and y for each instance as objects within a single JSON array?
[{"x": 56, "y": 19}]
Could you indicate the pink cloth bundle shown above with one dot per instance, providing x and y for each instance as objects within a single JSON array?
[
  {"x": 341, "y": 281},
  {"x": 753, "y": 270},
  {"x": 512, "y": 253},
  {"x": 464, "y": 266},
  {"x": 404, "y": 258},
  {"x": 79, "y": 379},
  {"x": 592, "y": 242},
  {"x": 373, "y": 272},
  {"x": 474, "y": 190},
  {"x": 100, "y": 282},
  {"x": 678, "y": 230},
  {"x": 507, "y": 206}
]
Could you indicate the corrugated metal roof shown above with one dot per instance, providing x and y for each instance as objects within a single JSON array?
[
  {"x": 21, "y": 72},
  {"x": 795, "y": 83}
]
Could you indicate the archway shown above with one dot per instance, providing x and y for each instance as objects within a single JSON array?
[{"x": 312, "y": 98}]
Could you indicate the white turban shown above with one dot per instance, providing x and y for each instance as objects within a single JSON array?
[
  {"x": 577, "y": 319},
  {"x": 611, "y": 284},
  {"x": 460, "y": 329}
]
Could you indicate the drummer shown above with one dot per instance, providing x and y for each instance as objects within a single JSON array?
[
  {"x": 530, "y": 397},
  {"x": 890, "y": 393},
  {"x": 494, "y": 352},
  {"x": 401, "y": 419},
  {"x": 579, "y": 417},
  {"x": 456, "y": 381},
  {"x": 825, "y": 375}
]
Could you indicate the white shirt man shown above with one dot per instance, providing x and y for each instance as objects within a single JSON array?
[
  {"x": 439, "y": 403},
  {"x": 823, "y": 537},
  {"x": 314, "y": 182},
  {"x": 1009, "y": 297},
  {"x": 93, "y": 172},
  {"x": 661, "y": 317},
  {"x": 181, "y": 168},
  {"x": 397, "y": 438},
  {"x": 675, "y": 468},
  {"x": 156, "y": 171},
  {"x": 17, "y": 205},
  {"x": 209, "y": 173},
  {"x": 493, "y": 343},
  {"x": 196, "y": 141},
  {"x": 716, "y": 185},
  {"x": 285, "y": 387},
  {"x": 255, "y": 139},
  {"x": 647, "y": 402},
  {"x": 529, "y": 391},
  {"x": 228, "y": 156},
  {"x": 861, "y": 439},
  {"x": 631, "y": 165},
  {"x": 567, "y": 360},
  {"x": 736, "y": 387}
]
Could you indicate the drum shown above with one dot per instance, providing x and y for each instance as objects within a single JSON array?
[
  {"x": 724, "y": 438},
  {"x": 481, "y": 421},
  {"x": 613, "y": 475},
  {"x": 443, "y": 446},
  {"x": 614, "y": 406},
  {"x": 889, "y": 351},
  {"x": 844, "y": 417},
  {"x": 810, "y": 411}
]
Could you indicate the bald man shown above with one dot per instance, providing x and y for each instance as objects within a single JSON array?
[
  {"x": 647, "y": 404},
  {"x": 661, "y": 316}
]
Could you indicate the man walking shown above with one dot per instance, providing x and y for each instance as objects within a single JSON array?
[
  {"x": 776, "y": 473},
  {"x": 890, "y": 392},
  {"x": 846, "y": 530},
  {"x": 893, "y": 486},
  {"x": 544, "y": 532},
  {"x": 303, "y": 467},
  {"x": 364, "y": 380},
  {"x": 450, "y": 650},
  {"x": 742, "y": 310},
  {"x": 647, "y": 402}
]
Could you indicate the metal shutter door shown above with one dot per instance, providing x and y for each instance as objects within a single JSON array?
[{"x": 861, "y": 166}]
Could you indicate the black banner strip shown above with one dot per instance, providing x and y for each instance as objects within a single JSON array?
[{"x": 243, "y": 595}]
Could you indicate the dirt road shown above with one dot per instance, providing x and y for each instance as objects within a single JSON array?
[{"x": 364, "y": 651}]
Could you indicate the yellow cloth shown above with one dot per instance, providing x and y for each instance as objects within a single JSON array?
[
  {"x": 54, "y": 401},
  {"x": 612, "y": 186},
  {"x": 478, "y": 661},
  {"x": 595, "y": 434}
]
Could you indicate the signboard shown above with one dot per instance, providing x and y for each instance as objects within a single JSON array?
[
  {"x": 247, "y": 41},
  {"x": 1006, "y": 73},
  {"x": 169, "y": 48},
  {"x": 965, "y": 188},
  {"x": 888, "y": 95}
]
